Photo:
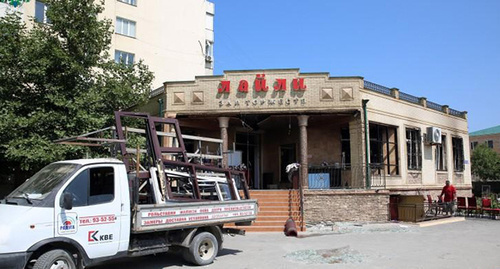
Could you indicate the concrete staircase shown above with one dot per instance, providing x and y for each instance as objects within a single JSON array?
[{"x": 275, "y": 207}]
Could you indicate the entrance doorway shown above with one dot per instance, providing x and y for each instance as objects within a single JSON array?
[
  {"x": 248, "y": 144},
  {"x": 288, "y": 155}
]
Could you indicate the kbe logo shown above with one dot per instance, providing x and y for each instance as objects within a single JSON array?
[{"x": 95, "y": 237}]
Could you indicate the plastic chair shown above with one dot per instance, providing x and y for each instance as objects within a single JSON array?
[
  {"x": 461, "y": 206},
  {"x": 472, "y": 206},
  {"x": 486, "y": 207}
]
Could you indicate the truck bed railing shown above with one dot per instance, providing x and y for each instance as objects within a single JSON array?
[
  {"x": 169, "y": 156},
  {"x": 161, "y": 146}
]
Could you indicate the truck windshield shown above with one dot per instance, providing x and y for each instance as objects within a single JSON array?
[{"x": 42, "y": 183}]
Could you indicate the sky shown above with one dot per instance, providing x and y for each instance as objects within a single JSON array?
[{"x": 447, "y": 51}]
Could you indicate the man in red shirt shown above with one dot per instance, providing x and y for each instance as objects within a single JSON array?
[{"x": 450, "y": 197}]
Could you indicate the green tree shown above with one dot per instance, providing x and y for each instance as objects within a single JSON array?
[
  {"x": 58, "y": 80},
  {"x": 485, "y": 163}
]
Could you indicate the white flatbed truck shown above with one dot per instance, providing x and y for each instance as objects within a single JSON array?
[{"x": 77, "y": 213}]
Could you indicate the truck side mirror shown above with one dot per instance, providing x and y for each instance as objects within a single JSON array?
[{"x": 67, "y": 201}]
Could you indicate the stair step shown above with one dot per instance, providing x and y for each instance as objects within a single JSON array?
[
  {"x": 285, "y": 203},
  {"x": 278, "y": 213},
  {"x": 276, "y": 194},
  {"x": 275, "y": 208},
  {"x": 275, "y": 197},
  {"x": 279, "y": 208},
  {"x": 274, "y": 223},
  {"x": 251, "y": 229},
  {"x": 277, "y": 218},
  {"x": 274, "y": 191},
  {"x": 278, "y": 197}
]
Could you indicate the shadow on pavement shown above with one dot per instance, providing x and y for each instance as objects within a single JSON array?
[
  {"x": 158, "y": 261},
  {"x": 228, "y": 251}
]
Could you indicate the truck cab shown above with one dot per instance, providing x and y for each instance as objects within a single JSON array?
[{"x": 80, "y": 205}]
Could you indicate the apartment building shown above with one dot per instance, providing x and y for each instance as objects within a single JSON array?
[
  {"x": 489, "y": 136},
  {"x": 175, "y": 38}
]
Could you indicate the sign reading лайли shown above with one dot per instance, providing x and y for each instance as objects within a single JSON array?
[{"x": 260, "y": 86}]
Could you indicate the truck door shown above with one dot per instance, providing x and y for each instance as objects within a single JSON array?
[{"x": 94, "y": 219}]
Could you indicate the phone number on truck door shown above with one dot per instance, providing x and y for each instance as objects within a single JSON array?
[{"x": 95, "y": 220}]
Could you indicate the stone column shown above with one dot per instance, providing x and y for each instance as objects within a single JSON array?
[
  {"x": 356, "y": 134},
  {"x": 303, "y": 151},
  {"x": 224, "y": 124}
]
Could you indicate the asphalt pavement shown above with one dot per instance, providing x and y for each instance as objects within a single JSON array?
[{"x": 472, "y": 243}]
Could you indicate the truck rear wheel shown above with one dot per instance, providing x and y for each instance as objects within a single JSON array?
[
  {"x": 203, "y": 249},
  {"x": 55, "y": 259}
]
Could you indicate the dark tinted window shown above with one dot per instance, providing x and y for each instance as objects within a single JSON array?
[
  {"x": 92, "y": 186},
  {"x": 101, "y": 185},
  {"x": 458, "y": 153}
]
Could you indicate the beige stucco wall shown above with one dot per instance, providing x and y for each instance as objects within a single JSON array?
[
  {"x": 170, "y": 35},
  {"x": 388, "y": 110},
  {"x": 182, "y": 96},
  {"x": 201, "y": 97}
]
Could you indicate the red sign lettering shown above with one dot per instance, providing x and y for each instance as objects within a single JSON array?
[
  {"x": 243, "y": 87},
  {"x": 224, "y": 86},
  {"x": 280, "y": 85},
  {"x": 298, "y": 84},
  {"x": 260, "y": 83}
]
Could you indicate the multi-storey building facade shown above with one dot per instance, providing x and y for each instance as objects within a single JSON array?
[
  {"x": 175, "y": 38},
  {"x": 354, "y": 140},
  {"x": 489, "y": 136},
  {"x": 413, "y": 143}
]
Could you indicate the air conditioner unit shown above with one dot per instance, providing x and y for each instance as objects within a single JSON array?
[{"x": 434, "y": 135}]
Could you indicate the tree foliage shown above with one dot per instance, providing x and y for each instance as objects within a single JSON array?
[
  {"x": 57, "y": 80},
  {"x": 485, "y": 163}
]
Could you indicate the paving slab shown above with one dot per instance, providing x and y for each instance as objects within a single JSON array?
[{"x": 464, "y": 243}]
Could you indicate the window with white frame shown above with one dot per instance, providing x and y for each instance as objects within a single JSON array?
[
  {"x": 124, "y": 57},
  {"x": 458, "y": 153},
  {"x": 414, "y": 149},
  {"x": 41, "y": 12},
  {"x": 125, "y": 27},
  {"x": 130, "y": 2},
  {"x": 441, "y": 154}
]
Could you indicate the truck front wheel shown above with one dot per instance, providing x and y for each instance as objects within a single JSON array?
[
  {"x": 55, "y": 259},
  {"x": 203, "y": 249}
]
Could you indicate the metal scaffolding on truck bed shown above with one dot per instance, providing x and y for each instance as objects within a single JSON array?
[{"x": 163, "y": 163}]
